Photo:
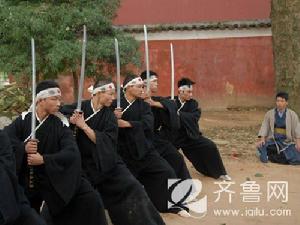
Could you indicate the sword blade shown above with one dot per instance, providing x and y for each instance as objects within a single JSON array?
[
  {"x": 147, "y": 58},
  {"x": 33, "y": 119},
  {"x": 118, "y": 73},
  {"x": 81, "y": 81},
  {"x": 172, "y": 72}
]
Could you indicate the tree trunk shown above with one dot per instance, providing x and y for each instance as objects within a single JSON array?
[
  {"x": 285, "y": 17},
  {"x": 75, "y": 85}
]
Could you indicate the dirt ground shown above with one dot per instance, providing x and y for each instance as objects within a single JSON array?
[{"x": 235, "y": 134}]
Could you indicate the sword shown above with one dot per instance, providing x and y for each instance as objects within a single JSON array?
[
  {"x": 33, "y": 119},
  {"x": 147, "y": 58},
  {"x": 81, "y": 81},
  {"x": 172, "y": 71},
  {"x": 118, "y": 74}
]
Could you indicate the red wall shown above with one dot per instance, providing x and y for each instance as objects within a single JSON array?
[
  {"x": 228, "y": 72},
  {"x": 231, "y": 72},
  {"x": 188, "y": 11}
]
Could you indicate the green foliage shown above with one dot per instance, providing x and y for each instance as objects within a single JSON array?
[
  {"x": 57, "y": 27},
  {"x": 14, "y": 100}
]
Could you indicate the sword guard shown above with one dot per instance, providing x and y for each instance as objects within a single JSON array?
[
  {"x": 78, "y": 111},
  {"x": 76, "y": 128},
  {"x": 33, "y": 139}
]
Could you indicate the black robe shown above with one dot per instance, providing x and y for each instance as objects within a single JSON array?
[
  {"x": 135, "y": 142},
  {"x": 166, "y": 123},
  {"x": 58, "y": 181},
  {"x": 120, "y": 191},
  {"x": 14, "y": 206},
  {"x": 102, "y": 157},
  {"x": 201, "y": 151},
  {"x": 135, "y": 145}
]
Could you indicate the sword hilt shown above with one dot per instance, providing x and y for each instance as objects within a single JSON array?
[
  {"x": 76, "y": 128},
  {"x": 31, "y": 172},
  {"x": 31, "y": 178},
  {"x": 75, "y": 131}
]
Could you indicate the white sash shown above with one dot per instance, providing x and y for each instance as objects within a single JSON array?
[
  {"x": 182, "y": 104},
  {"x": 95, "y": 112},
  {"x": 130, "y": 103},
  {"x": 37, "y": 127}
]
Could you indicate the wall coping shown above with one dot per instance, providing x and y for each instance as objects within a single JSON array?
[{"x": 227, "y": 25}]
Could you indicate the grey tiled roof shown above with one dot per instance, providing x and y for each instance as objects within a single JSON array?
[{"x": 226, "y": 25}]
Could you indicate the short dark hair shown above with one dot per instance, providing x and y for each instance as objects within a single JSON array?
[
  {"x": 102, "y": 81},
  {"x": 283, "y": 94},
  {"x": 144, "y": 74},
  {"x": 43, "y": 85},
  {"x": 185, "y": 81}
]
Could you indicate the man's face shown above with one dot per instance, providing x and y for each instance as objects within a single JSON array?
[
  {"x": 136, "y": 90},
  {"x": 186, "y": 94},
  {"x": 51, "y": 104},
  {"x": 154, "y": 86},
  {"x": 281, "y": 103},
  {"x": 106, "y": 98},
  {"x": 144, "y": 94}
]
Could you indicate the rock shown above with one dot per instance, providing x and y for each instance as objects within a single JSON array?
[
  {"x": 258, "y": 175},
  {"x": 4, "y": 121},
  {"x": 221, "y": 142}
]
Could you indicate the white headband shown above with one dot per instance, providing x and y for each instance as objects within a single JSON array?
[
  {"x": 135, "y": 81},
  {"x": 102, "y": 88},
  {"x": 50, "y": 92},
  {"x": 185, "y": 87},
  {"x": 152, "y": 78}
]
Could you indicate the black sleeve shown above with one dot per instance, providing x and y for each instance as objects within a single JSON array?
[
  {"x": 194, "y": 111},
  {"x": 169, "y": 115},
  {"x": 68, "y": 110},
  {"x": 7, "y": 158},
  {"x": 12, "y": 196},
  {"x": 189, "y": 120},
  {"x": 139, "y": 137},
  {"x": 64, "y": 167},
  {"x": 15, "y": 134},
  {"x": 146, "y": 122},
  {"x": 106, "y": 143}
]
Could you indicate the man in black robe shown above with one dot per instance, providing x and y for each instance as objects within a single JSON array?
[
  {"x": 200, "y": 151},
  {"x": 49, "y": 168},
  {"x": 135, "y": 144},
  {"x": 97, "y": 135},
  {"x": 14, "y": 206},
  {"x": 166, "y": 122}
]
